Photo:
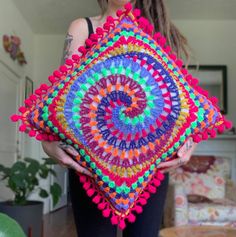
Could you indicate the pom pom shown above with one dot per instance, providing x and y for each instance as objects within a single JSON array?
[
  {"x": 194, "y": 81},
  {"x": 94, "y": 37},
  {"x": 173, "y": 56},
  {"x": 167, "y": 49},
  {"x": 99, "y": 31},
  {"x": 22, "y": 109},
  {"x": 106, "y": 212},
  {"x": 184, "y": 71},
  {"x": 22, "y": 128},
  {"x": 90, "y": 192},
  {"x": 52, "y": 79},
  {"x": 138, "y": 209},
  {"x": 114, "y": 220},
  {"x": 205, "y": 136},
  {"x": 156, "y": 182},
  {"x": 44, "y": 87},
  {"x": 39, "y": 137},
  {"x": 110, "y": 19},
  {"x": 69, "y": 62},
  {"x": 57, "y": 74},
  {"x": 162, "y": 41},
  {"x": 131, "y": 218},
  {"x": 32, "y": 133},
  {"x": 38, "y": 91},
  {"x": 15, "y": 118},
  {"x": 82, "y": 50},
  {"x": 146, "y": 195},
  {"x": 106, "y": 25},
  {"x": 63, "y": 68},
  {"x": 151, "y": 189},
  {"x": 75, "y": 57},
  {"x": 179, "y": 63},
  {"x": 96, "y": 199},
  {"x": 214, "y": 100},
  {"x": 221, "y": 129},
  {"x": 128, "y": 7},
  {"x": 143, "y": 201},
  {"x": 136, "y": 12},
  {"x": 196, "y": 138},
  {"x": 122, "y": 224},
  {"x": 28, "y": 102},
  {"x": 89, "y": 42},
  {"x": 160, "y": 176},
  {"x": 119, "y": 12},
  {"x": 86, "y": 185},
  {"x": 157, "y": 36},
  {"x": 228, "y": 124},
  {"x": 82, "y": 178},
  {"x": 213, "y": 133},
  {"x": 101, "y": 205}
]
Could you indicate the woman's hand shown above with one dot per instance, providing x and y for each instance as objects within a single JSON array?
[
  {"x": 183, "y": 156},
  {"x": 63, "y": 154}
]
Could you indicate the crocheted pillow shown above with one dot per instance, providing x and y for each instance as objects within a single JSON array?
[{"x": 125, "y": 104}]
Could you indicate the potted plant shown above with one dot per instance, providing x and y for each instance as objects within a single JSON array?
[{"x": 23, "y": 178}]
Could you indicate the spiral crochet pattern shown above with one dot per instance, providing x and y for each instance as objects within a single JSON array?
[{"x": 126, "y": 104}]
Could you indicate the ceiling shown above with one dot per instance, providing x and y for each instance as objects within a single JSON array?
[{"x": 54, "y": 16}]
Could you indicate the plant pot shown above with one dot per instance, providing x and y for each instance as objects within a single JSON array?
[{"x": 29, "y": 216}]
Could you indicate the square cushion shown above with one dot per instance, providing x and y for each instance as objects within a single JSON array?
[{"x": 126, "y": 104}]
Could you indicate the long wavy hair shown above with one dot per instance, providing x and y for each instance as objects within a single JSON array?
[{"x": 157, "y": 13}]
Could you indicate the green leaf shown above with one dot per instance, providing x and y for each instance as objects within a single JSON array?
[
  {"x": 9, "y": 227},
  {"x": 43, "y": 193},
  {"x": 33, "y": 168},
  {"x": 18, "y": 167},
  {"x": 56, "y": 192},
  {"x": 49, "y": 161},
  {"x": 53, "y": 172},
  {"x": 43, "y": 171}
]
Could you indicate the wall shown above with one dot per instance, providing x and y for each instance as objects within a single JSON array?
[
  {"x": 12, "y": 23},
  {"x": 214, "y": 43},
  {"x": 48, "y": 54}
]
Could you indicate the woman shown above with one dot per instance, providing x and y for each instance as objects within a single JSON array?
[{"x": 89, "y": 220}]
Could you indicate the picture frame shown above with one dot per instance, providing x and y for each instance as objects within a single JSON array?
[
  {"x": 213, "y": 78},
  {"x": 29, "y": 87}
]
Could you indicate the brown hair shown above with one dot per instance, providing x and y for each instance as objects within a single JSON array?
[{"x": 156, "y": 12}]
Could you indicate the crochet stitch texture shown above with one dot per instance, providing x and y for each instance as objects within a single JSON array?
[{"x": 126, "y": 104}]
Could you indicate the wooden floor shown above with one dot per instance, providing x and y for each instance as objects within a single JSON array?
[{"x": 60, "y": 223}]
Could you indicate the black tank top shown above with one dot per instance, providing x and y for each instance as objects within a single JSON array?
[{"x": 90, "y": 26}]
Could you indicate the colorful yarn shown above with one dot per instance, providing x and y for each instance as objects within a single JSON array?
[{"x": 126, "y": 104}]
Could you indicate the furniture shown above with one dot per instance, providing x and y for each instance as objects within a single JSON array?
[
  {"x": 201, "y": 193},
  {"x": 198, "y": 231}
]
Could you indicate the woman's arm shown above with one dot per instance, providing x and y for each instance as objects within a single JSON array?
[
  {"x": 63, "y": 153},
  {"x": 76, "y": 35}
]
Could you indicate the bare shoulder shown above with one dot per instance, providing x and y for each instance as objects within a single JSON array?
[{"x": 78, "y": 27}]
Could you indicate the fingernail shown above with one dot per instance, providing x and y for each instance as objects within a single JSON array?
[{"x": 75, "y": 153}]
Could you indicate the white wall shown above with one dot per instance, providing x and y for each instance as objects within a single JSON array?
[
  {"x": 48, "y": 54},
  {"x": 214, "y": 43},
  {"x": 13, "y": 23}
]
